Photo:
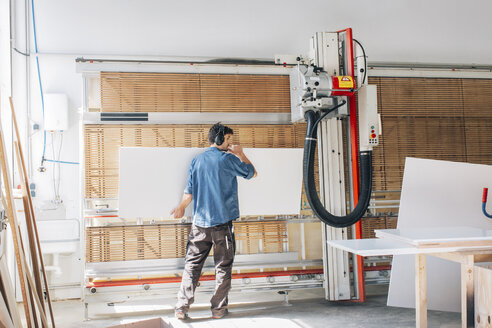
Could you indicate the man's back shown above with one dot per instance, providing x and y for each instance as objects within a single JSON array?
[{"x": 213, "y": 184}]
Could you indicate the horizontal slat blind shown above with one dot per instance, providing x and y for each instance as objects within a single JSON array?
[
  {"x": 163, "y": 241},
  {"x": 150, "y": 92},
  {"x": 444, "y": 119},
  {"x": 244, "y": 93},
  {"x": 136, "y": 242},
  {"x": 164, "y": 92}
]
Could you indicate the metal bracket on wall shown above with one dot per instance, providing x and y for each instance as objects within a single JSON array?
[{"x": 3, "y": 220}]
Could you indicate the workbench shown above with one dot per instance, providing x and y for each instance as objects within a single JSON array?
[{"x": 464, "y": 245}]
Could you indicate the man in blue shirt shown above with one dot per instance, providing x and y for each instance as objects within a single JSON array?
[{"x": 212, "y": 184}]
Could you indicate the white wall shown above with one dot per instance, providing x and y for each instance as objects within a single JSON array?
[
  {"x": 5, "y": 72},
  {"x": 425, "y": 31},
  {"x": 449, "y": 31},
  {"x": 5, "y": 92}
]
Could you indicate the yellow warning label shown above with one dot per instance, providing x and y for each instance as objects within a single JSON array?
[{"x": 345, "y": 82}]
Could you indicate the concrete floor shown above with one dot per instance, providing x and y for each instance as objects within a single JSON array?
[{"x": 265, "y": 309}]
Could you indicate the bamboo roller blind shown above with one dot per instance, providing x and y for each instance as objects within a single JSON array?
[
  {"x": 136, "y": 242},
  {"x": 163, "y": 241},
  {"x": 445, "y": 119},
  {"x": 272, "y": 234},
  {"x": 164, "y": 92}
]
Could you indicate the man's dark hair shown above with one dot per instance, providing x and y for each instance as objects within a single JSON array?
[{"x": 214, "y": 130}]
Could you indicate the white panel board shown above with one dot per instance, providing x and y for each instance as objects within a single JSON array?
[
  {"x": 425, "y": 236},
  {"x": 437, "y": 194},
  {"x": 278, "y": 186},
  {"x": 386, "y": 246},
  {"x": 152, "y": 181}
]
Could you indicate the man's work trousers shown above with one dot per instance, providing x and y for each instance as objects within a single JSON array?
[{"x": 200, "y": 242}]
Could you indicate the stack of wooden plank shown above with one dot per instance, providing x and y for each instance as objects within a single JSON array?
[
  {"x": 33, "y": 280},
  {"x": 9, "y": 314}
]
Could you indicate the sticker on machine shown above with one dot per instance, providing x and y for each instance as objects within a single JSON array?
[{"x": 345, "y": 82}]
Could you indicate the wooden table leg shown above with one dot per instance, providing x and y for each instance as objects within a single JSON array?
[
  {"x": 420, "y": 291},
  {"x": 467, "y": 293}
]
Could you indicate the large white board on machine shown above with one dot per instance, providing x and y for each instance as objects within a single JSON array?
[
  {"x": 437, "y": 194},
  {"x": 152, "y": 181}
]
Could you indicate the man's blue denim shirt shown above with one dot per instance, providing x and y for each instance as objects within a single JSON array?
[{"x": 212, "y": 182}]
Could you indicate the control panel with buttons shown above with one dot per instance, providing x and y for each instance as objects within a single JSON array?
[{"x": 368, "y": 117}]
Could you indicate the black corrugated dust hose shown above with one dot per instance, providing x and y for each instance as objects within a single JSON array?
[{"x": 365, "y": 158}]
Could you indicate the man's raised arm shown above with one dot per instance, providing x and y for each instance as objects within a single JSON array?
[{"x": 238, "y": 151}]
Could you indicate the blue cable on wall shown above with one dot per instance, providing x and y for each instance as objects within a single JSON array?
[
  {"x": 39, "y": 75},
  {"x": 62, "y": 162},
  {"x": 41, "y": 89}
]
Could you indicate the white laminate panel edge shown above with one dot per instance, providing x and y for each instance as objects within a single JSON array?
[
  {"x": 380, "y": 247},
  {"x": 436, "y": 235}
]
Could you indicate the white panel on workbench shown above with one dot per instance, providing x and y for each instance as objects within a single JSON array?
[{"x": 437, "y": 194}]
